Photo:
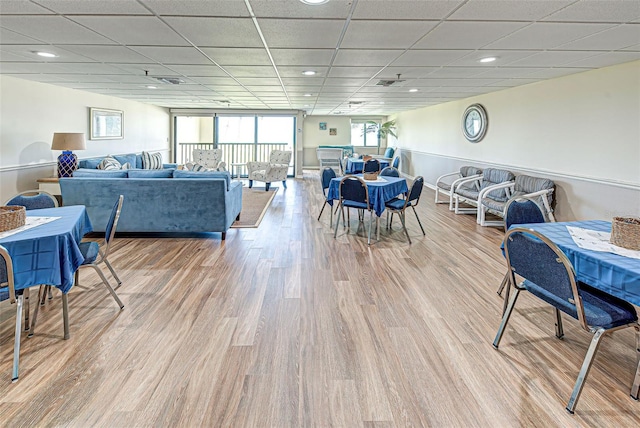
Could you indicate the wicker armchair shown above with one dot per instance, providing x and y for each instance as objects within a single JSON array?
[{"x": 274, "y": 170}]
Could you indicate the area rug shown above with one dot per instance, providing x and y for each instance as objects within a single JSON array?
[{"x": 255, "y": 203}]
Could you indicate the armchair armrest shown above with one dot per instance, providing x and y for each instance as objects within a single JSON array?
[
  {"x": 475, "y": 178},
  {"x": 460, "y": 180},
  {"x": 451, "y": 174},
  {"x": 255, "y": 166},
  {"x": 507, "y": 185}
]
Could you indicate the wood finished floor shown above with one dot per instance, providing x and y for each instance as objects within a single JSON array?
[{"x": 285, "y": 326}]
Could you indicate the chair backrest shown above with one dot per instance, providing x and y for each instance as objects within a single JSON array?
[
  {"x": 371, "y": 165},
  {"x": 354, "y": 189},
  {"x": 328, "y": 174},
  {"x": 282, "y": 157},
  {"x": 491, "y": 176},
  {"x": 112, "y": 224},
  {"x": 34, "y": 200},
  {"x": 390, "y": 171},
  {"x": 522, "y": 211},
  {"x": 416, "y": 190},
  {"x": 396, "y": 162},
  {"x": 468, "y": 171},
  {"x": 388, "y": 153},
  {"x": 548, "y": 272},
  {"x": 6, "y": 276},
  {"x": 525, "y": 184},
  {"x": 209, "y": 158}
]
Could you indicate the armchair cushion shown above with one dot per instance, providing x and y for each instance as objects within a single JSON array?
[{"x": 492, "y": 176}]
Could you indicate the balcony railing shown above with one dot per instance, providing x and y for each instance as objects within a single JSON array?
[{"x": 234, "y": 153}]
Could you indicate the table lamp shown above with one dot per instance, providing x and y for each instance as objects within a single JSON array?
[{"x": 68, "y": 141}]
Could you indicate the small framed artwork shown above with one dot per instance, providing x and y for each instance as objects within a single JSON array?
[
  {"x": 333, "y": 131},
  {"x": 323, "y": 126},
  {"x": 106, "y": 124}
]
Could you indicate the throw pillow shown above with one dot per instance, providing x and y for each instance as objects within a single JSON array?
[
  {"x": 195, "y": 167},
  {"x": 151, "y": 160},
  {"x": 126, "y": 165},
  {"x": 109, "y": 163}
]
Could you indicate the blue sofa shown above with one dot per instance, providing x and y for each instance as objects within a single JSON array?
[
  {"x": 135, "y": 160},
  {"x": 157, "y": 200}
]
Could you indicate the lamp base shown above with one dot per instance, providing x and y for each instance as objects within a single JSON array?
[{"x": 67, "y": 163}]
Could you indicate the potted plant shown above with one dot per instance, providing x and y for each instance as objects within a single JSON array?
[{"x": 383, "y": 130}]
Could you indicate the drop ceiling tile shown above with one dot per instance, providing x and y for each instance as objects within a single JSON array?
[
  {"x": 598, "y": 10},
  {"x": 614, "y": 38},
  {"x": 550, "y": 73},
  {"x": 309, "y": 57},
  {"x": 28, "y": 52},
  {"x": 8, "y": 37},
  {"x": 301, "y": 33},
  {"x": 7, "y": 56},
  {"x": 196, "y": 70},
  {"x": 213, "y": 81},
  {"x": 467, "y": 35},
  {"x": 362, "y": 57},
  {"x": 303, "y": 81},
  {"x": 509, "y": 83},
  {"x": 52, "y": 29},
  {"x": 238, "y": 56},
  {"x": 289, "y": 71},
  {"x": 552, "y": 58},
  {"x": 110, "y": 7},
  {"x": 260, "y": 81},
  {"x": 354, "y": 72},
  {"x": 509, "y": 72},
  {"x": 606, "y": 59},
  {"x": 293, "y": 9},
  {"x": 430, "y": 58},
  {"x": 173, "y": 55},
  {"x": 345, "y": 82},
  {"x": 217, "y": 32},
  {"x": 133, "y": 30},
  {"x": 632, "y": 48},
  {"x": 508, "y": 10},
  {"x": 150, "y": 69},
  {"x": 460, "y": 83},
  {"x": 56, "y": 79},
  {"x": 108, "y": 54},
  {"x": 406, "y": 9},
  {"x": 257, "y": 71},
  {"x": 93, "y": 68},
  {"x": 30, "y": 68},
  {"x": 455, "y": 72},
  {"x": 197, "y": 7},
  {"x": 504, "y": 57},
  {"x": 546, "y": 35},
  {"x": 385, "y": 34}
]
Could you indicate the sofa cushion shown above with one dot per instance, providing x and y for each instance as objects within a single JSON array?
[
  {"x": 109, "y": 163},
  {"x": 151, "y": 173},
  {"x": 151, "y": 160},
  {"x": 100, "y": 173},
  {"x": 203, "y": 174},
  {"x": 129, "y": 158}
]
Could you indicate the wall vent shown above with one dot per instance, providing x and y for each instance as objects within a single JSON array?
[{"x": 389, "y": 82}]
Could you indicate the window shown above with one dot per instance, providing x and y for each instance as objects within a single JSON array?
[{"x": 359, "y": 136}]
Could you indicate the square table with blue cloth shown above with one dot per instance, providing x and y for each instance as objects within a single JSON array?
[
  {"x": 49, "y": 253},
  {"x": 380, "y": 191},
  {"x": 355, "y": 166},
  {"x": 611, "y": 273}
]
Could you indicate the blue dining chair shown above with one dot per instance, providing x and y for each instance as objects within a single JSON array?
[
  {"x": 389, "y": 171},
  {"x": 400, "y": 205},
  {"x": 549, "y": 275},
  {"x": 8, "y": 292},
  {"x": 354, "y": 194},
  {"x": 34, "y": 200},
  {"x": 396, "y": 162},
  {"x": 328, "y": 174},
  {"x": 371, "y": 165}
]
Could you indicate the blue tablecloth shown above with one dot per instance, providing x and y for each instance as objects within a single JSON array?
[
  {"x": 379, "y": 191},
  {"x": 354, "y": 166},
  {"x": 49, "y": 253},
  {"x": 614, "y": 274}
]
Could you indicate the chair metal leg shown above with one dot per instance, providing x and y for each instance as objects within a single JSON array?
[
  {"x": 16, "y": 345},
  {"x": 340, "y": 213},
  {"x": 34, "y": 320},
  {"x": 113, "y": 272},
  {"x": 404, "y": 226},
  {"x": 49, "y": 292},
  {"x": 584, "y": 371},
  {"x": 25, "y": 293},
  {"x": 106, "y": 284},
  {"x": 284, "y": 183},
  {"x": 419, "y": 222},
  {"x": 635, "y": 388},
  {"x": 505, "y": 318},
  {"x": 65, "y": 315},
  {"x": 559, "y": 329},
  {"x": 370, "y": 221},
  {"x": 503, "y": 283},
  {"x": 323, "y": 205}
]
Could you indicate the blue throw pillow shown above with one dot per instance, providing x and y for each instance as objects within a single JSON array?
[
  {"x": 100, "y": 173},
  {"x": 129, "y": 158},
  {"x": 151, "y": 173},
  {"x": 178, "y": 173},
  {"x": 89, "y": 163}
]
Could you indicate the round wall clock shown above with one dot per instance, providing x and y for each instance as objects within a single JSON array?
[{"x": 474, "y": 123}]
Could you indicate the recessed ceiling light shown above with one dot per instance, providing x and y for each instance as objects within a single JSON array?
[
  {"x": 307, "y": 105},
  {"x": 314, "y": 2},
  {"x": 151, "y": 87},
  {"x": 46, "y": 54},
  {"x": 381, "y": 102},
  {"x": 488, "y": 59},
  {"x": 307, "y": 95},
  {"x": 309, "y": 72},
  {"x": 413, "y": 90}
]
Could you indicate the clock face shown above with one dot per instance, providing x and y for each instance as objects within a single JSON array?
[{"x": 474, "y": 123}]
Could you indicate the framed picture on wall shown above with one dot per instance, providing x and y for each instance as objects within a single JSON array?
[
  {"x": 106, "y": 124},
  {"x": 333, "y": 131},
  {"x": 323, "y": 126}
]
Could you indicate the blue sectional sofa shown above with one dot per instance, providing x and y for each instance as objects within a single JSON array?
[
  {"x": 157, "y": 200},
  {"x": 134, "y": 160}
]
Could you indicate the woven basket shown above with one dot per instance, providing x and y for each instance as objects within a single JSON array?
[
  {"x": 371, "y": 176},
  {"x": 12, "y": 217},
  {"x": 625, "y": 232}
]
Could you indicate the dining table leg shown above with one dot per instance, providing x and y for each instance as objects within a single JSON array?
[{"x": 65, "y": 315}]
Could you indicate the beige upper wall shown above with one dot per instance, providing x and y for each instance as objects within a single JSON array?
[
  {"x": 31, "y": 112},
  {"x": 314, "y": 136},
  {"x": 584, "y": 125}
]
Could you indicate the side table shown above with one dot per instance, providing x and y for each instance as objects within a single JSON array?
[{"x": 236, "y": 167}]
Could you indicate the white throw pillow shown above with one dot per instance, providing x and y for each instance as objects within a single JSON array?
[
  {"x": 109, "y": 163},
  {"x": 151, "y": 160}
]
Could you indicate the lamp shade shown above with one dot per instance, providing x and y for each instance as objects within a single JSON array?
[{"x": 68, "y": 141}]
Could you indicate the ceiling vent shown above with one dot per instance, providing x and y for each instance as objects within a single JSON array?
[
  {"x": 389, "y": 82},
  {"x": 169, "y": 80}
]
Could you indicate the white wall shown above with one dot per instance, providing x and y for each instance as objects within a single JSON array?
[
  {"x": 582, "y": 131},
  {"x": 31, "y": 112}
]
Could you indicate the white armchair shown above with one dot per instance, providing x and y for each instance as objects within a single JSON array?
[
  {"x": 212, "y": 159},
  {"x": 274, "y": 170}
]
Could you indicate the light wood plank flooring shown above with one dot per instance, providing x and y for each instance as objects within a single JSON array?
[{"x": 285, "y": 326}]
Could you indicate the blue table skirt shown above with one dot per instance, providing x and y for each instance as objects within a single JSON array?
[
  {"x": 354, "y": 166},
  {"x": 614, "y": 274},
  {"x": 49, "y": 253},
  {"x": 379, "y": 191}
]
